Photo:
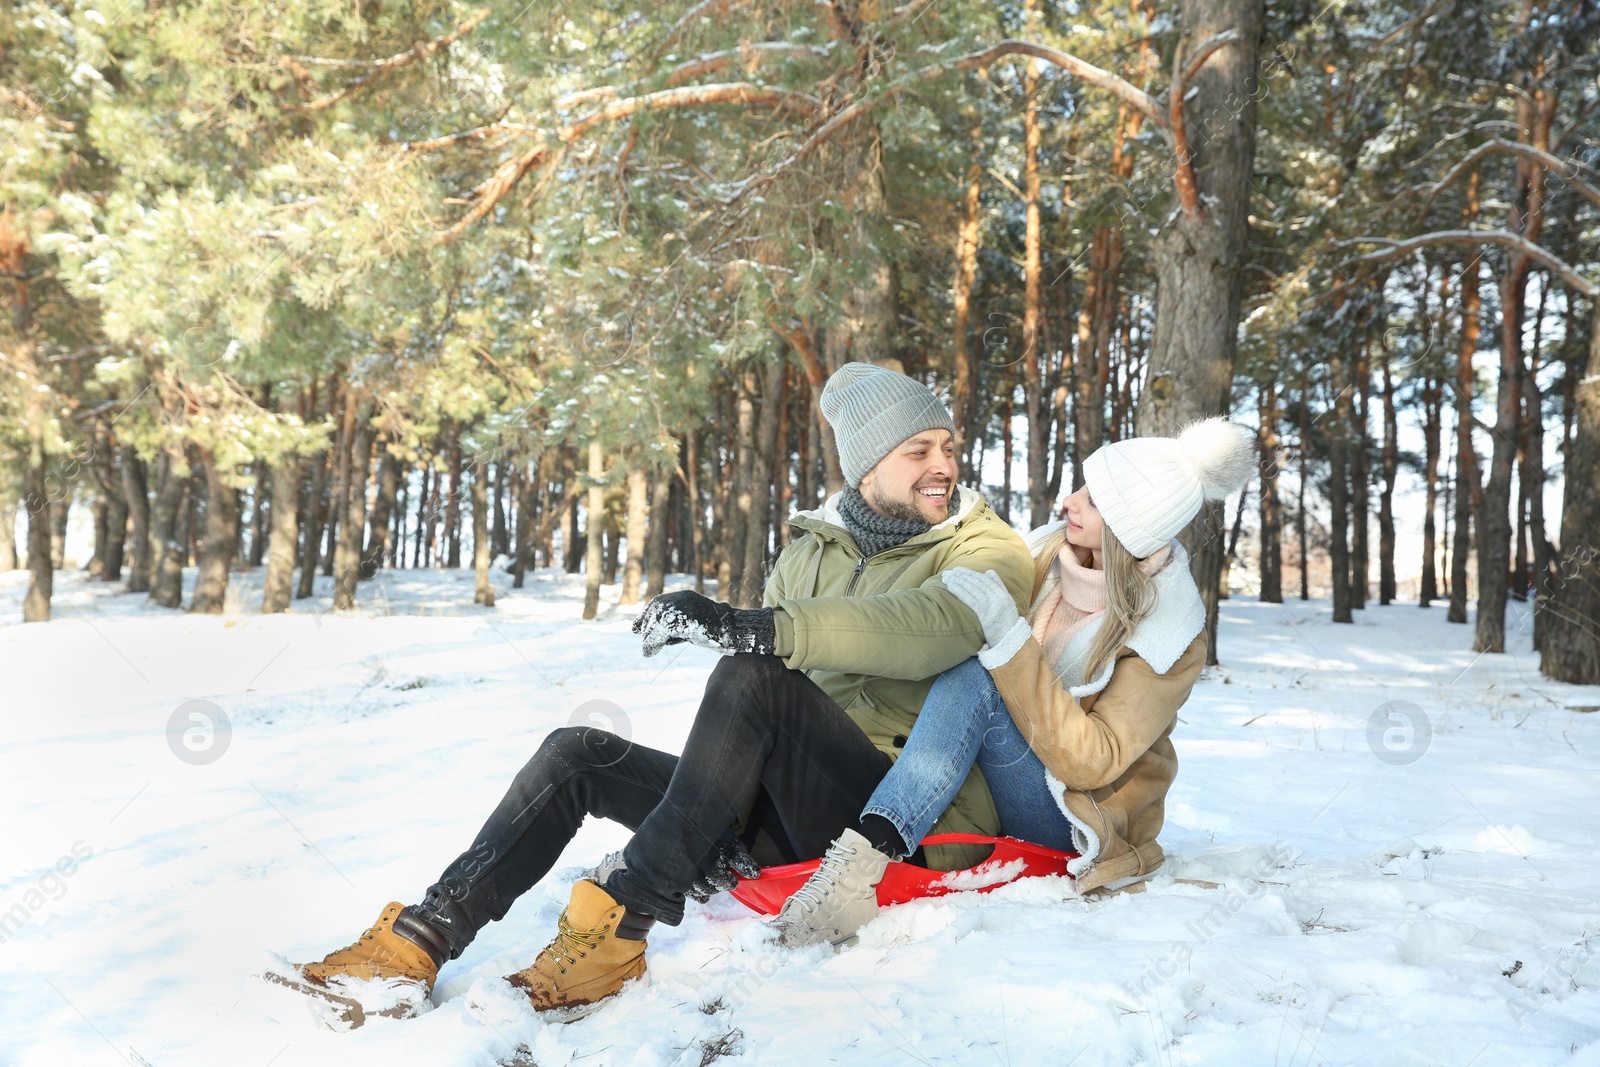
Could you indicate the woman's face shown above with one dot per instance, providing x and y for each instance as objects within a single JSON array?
[{"x": 1084, "y": 525}]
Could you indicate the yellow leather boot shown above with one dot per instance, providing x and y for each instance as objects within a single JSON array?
[
  {"x": 386, "y": 971},
  {"x": 587, "y": 963}
]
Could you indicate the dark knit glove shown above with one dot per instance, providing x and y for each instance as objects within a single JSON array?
[
  {"x": 687, "y": 616},
  {"x": 729, "y": 861}
]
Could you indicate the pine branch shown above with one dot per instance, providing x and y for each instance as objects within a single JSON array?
[
  {"x": 1082, "y": 69},
  {"x": 1564, "y": 167},
  {"x": 1397, "y": 249},
  {"x": 380, "y": 67},
  {"x": 509, "y": 173}
]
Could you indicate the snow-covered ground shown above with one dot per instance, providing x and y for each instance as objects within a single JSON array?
[{"x": 1402, "y": 836}]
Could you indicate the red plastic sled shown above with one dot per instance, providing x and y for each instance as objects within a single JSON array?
[{"x": 902, "y": 882}]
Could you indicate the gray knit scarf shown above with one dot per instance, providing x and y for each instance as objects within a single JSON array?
[{"x": 873, "y": 532}]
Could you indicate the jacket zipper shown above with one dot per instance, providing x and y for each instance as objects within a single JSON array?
[
  {"x": 856, "y": 577},
  {"x": 861, "y": 563}
]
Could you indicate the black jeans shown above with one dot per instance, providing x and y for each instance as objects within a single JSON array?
[{"x": 766, "y": 741}]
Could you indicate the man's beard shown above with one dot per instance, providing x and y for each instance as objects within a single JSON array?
[{"x": 905, "y": 510}]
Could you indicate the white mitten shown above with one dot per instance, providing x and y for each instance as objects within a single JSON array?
[{"x": 986, "y": 594}]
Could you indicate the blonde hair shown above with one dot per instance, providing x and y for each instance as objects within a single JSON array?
[{"x": 1130, "y": 593}]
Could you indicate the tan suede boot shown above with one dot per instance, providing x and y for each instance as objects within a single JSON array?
[
  {"x": 383, "y": 972},
  {"x": 587, "y": 963}
]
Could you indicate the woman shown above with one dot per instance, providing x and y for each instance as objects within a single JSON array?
[{"x": 1067, "y": 713}]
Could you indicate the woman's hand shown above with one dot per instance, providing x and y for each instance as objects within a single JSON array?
[{"x": 986, "y": 594}]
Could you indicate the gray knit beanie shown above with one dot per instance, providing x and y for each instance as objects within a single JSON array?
[{"x": 872, "y": 409}]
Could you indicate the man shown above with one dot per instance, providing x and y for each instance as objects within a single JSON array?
[{"x": 797, "y": 725}]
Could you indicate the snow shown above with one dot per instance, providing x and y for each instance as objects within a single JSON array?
[{"x": 1357, "y": 885}]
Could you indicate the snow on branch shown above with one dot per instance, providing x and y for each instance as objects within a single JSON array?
[
  {"x": 1564, "y": 167},
  {"x": 1397, "y": 249}
]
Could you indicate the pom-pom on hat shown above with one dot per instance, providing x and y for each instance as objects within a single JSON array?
[
  {"x": 872, "y": 409},
  {"x": 1148, "y": 488}
]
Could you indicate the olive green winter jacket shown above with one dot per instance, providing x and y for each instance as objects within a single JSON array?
[{"x": 874, "y": 633}]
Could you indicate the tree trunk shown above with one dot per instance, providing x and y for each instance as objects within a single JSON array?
[
  {"x": 102, "y": 534},
  {"x": 8, "y": 537},
  {"x": 136, "y": 493},
  {"x": 379, "y": 551},
  {"x": 1232, "y": 551},
  {"x": 1533, "y": 470},
  {"x": 613, "y": 538},
  {"x": 1391, "y": 465},
  {"x": 1338, "y": 494},
  {"x": 1007, "y": 446},
  {"x": 482, "y": 523},
  {"x": 117, "y": 513},
  {"x": 35, "y": 473},
  {"x": 1429, "y": 586},
  {"x": 697, "y": 511},
  {"x": 277, "y": 586},
  {"x": 1033, "y": 352},
  {"x": 782, "y": 490},
  {"x": 315, "y": 513},
  {"x": 638, "y": 504},
  {"x": 503, "y": 472},
  {"x": 1466, "y": 457},
  {"x": 36, "y": 498},
  {"x": 1494, "y": 521},
  {"x": 259, "y": 517},
  {"x": 806, "y": 465},
  {"x": 742, "y": 478},
  {"x": 339, "y": 486},
  {"x": 1360, "y": 486},
  {"x": 967, "y": 240},
  {"x": 1305, "y": 474},
  {"x": 452, "y": 503},
  {"x": 166, "y": 586},
  {"x": 1271, "y": 512},
  {"x": 60, "y": 511},
  {"x": 222, "y": 540},
  {"x": 1570, "y": 647},
  {"x": 397, "y": 533},
  {"x": 1200, "y": 259},
  {"x": 1101, "y": 301},
  {"x": 524, "y": 491},
  {"x": 759, "y": 514},
  {"x": 423, "y": 526},
  {"x": 1535, "y": 112},
  {"x": 660, "y": 519},
  {"x": 347, "y": 571},
  {"x": 596, "y": 506}
]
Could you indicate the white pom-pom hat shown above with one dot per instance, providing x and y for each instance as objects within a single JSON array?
[{"x": 1148, "y": 488}]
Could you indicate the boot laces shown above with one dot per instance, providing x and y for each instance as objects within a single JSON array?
[
  {"x": 366, "y": 935},
  {"x": 571, "y": 943},
  {"x": 827, "y": 877}
]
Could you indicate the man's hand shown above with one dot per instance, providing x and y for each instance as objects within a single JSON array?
[
  {"x": 987, "y": 595},
  {"x": 729, "y": 861},
  {"x": 687, "y": 616}
]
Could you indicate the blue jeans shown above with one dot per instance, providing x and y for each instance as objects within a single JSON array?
[{"x": 963, "y": 721}]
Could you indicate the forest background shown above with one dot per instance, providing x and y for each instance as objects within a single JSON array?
[{"x": 337, "y": 287}]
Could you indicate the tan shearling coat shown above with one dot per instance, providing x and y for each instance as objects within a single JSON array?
[{"x": 1106, "y": 743}]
